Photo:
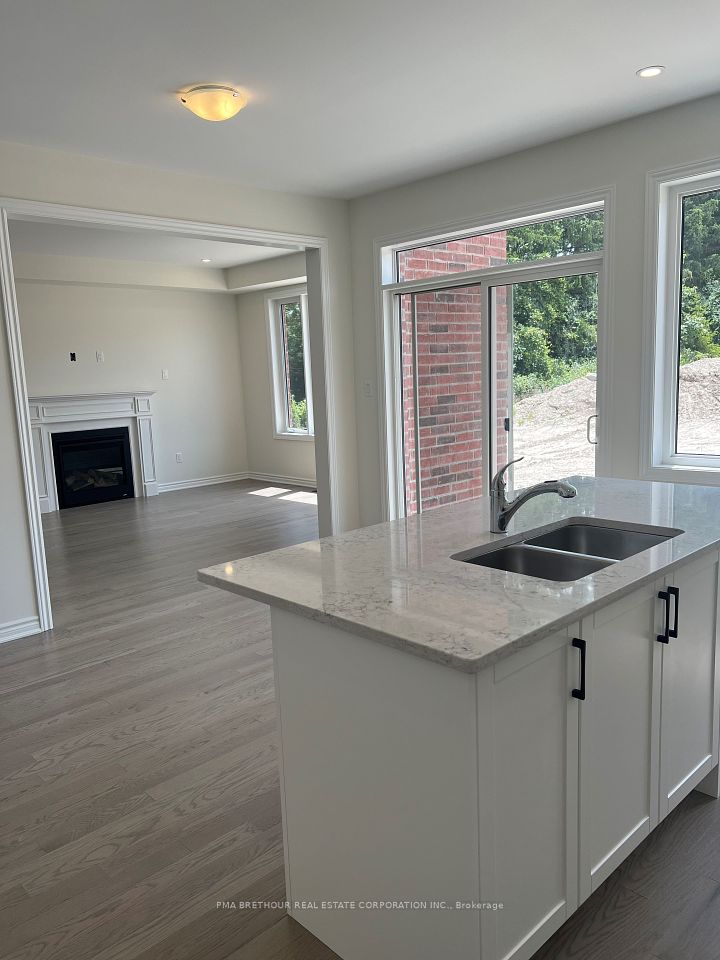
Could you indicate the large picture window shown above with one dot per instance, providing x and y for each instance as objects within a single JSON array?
[
  {"x": 698, "y": 362},
  {"x": 290, "y": 362},
  {"x": 685, "y": 420}
]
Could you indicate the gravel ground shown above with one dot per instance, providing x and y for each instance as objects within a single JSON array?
[{"x": 550, "y": 428}]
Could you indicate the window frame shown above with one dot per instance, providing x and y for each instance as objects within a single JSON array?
[
  {"x": 280, "y": 388},
  {"x": 659, "y": 459},
  {"x": 388, "y": 287}
]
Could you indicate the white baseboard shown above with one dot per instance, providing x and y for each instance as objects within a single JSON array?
[
  {"x": 201, "y": 482},
  {"x": 231, "y": 477},
  {"x": 15, "y": 629},
  {"x": 276, "y": 478}
]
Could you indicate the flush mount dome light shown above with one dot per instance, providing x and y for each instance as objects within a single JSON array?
[
  {"x": 213, "y": 101},
  {"x": 648, "y": 72}
]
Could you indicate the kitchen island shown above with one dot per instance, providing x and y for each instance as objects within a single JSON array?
[{"x": 467, "y": 753}]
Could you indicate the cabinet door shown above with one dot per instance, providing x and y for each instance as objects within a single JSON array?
[
  {"x": 689, "y": 712},
  {"x": 619, "y": 721},
  {"x": 532, "y": 841}
]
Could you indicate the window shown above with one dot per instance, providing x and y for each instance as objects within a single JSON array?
[
  {"x": 685, "y": 421},
  {"x": 491, "y": 345},
  {"x": 290, "y": 362},
  {"x": 539, "y": 240}
]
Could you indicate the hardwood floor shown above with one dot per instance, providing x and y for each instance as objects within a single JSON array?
[{"x": 139, "y": 782}]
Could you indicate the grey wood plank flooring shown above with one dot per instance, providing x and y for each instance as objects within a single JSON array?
[{"x": 139, "y": 783}]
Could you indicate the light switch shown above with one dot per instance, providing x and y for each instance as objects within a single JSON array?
[
  {"x": 178, "y": 458},
  {"x": 100, "y": 356},
  {"x": 165, "y": 374},
  {"x": 368, "y": 389}
]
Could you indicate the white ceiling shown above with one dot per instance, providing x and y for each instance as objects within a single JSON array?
[
  {"x": 72, "y": 240},
  {"x": 345, "y": 96}
]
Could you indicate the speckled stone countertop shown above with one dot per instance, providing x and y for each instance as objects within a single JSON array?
[{"x": 396, "y": 583}]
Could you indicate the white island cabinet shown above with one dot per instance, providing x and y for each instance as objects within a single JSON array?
[
  {"x": 690, "y": 703},
  {"x": 405, "y": 780},
  {"x": 467, "y": 754}
]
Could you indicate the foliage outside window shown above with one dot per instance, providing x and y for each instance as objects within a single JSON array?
[
  {"x": 554, "y": 321},
  {"x": 291, "y": 366},
  {"x": 294, "y": 365}
]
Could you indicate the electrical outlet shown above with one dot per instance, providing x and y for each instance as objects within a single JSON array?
[
  {"x": 178, "y": 458},
  {"x": 100, "y": 356},
  {"x": 73, "y": 357},
  {"x": 165, "y": 374},
  {"x": 368, "y": 389}
]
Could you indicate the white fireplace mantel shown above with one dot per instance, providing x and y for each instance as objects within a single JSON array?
[{"x": 60, "y": 414}]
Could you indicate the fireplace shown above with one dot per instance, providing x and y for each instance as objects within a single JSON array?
[{"x": 92, "y": 466}]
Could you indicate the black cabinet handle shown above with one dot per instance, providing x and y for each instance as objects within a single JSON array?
[
  {"x": 674, "y": 592},
  {"x": 665, "y": 637},
  {"x": 581, "y": 645}
]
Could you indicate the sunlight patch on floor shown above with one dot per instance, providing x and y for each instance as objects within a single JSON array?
[
  {"x": 302, "y": 496},
  {"x": 269, "y": 491}
]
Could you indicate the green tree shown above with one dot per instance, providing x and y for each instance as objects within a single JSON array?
[
  {"x": 292, "y": 317},
  {"x": 530, "y": 352},
  {"x": 701, "y": 242},
  {"x": 700, "y": 294},
  {"x": 563, "y": 309},
  {"x": 556, "y": 238}
]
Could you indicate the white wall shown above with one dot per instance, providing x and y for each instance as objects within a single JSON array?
[
  {"x": 198, "y": 410},
  {"x": 619, "y": 155},
  {"x": 285, "y": 457},
  {"x": 265, "y": 274},
  {"x": 38, "y": 174}
]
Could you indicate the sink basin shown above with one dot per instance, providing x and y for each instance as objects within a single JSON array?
[
  {"x": 614, "y": 543},
  {"x": 574, "y": 549},
  {"x": 547, "y": 564}
]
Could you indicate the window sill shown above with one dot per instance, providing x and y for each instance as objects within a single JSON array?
[
  {"x": 684, "y": 473},
  {"x": 290, "y": 435}
]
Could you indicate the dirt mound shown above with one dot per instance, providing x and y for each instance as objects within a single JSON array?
[
  {"x": 699, "y": 407},
  {"x": 550, "y": 428}
]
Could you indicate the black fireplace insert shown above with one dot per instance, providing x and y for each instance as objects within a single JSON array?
[{"x": 92, "y": 466}]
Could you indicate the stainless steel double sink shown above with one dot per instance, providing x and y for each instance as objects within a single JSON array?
[{"x": 573, "y": 549}]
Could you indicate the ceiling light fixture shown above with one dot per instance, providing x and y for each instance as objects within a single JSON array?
[
  {"x": 213, "y": 101},
  {"x": 206, "y": 260},
  {"x": 653, "y": 71}
]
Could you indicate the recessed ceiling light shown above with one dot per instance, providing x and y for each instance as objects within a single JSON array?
[
  {"x": 213, "y": 101},
  {"x": 653, "y": 71},
  {"x": 206, "y": 260}
]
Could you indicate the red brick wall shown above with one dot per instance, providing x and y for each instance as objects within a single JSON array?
[{"x": 452, "y": 392}]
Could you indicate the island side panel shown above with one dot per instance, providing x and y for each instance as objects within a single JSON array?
[{"x": 379, "y": 778}]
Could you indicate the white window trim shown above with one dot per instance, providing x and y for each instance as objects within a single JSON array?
[
  {"x": 388, "y": 339},
  {"x": 658, "y": 459},
  {"x": 273, "y": 303}
]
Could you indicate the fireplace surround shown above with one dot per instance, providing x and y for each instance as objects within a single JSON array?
[{"x": 52, "y": 418}]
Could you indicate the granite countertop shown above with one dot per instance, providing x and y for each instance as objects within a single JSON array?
[{"x": 396, "y": 583}]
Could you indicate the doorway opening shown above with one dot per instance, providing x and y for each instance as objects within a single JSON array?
[{"x": 117, "y": 379}]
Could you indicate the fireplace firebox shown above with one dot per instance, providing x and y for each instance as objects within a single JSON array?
[{"x": 92, "y": 466}]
